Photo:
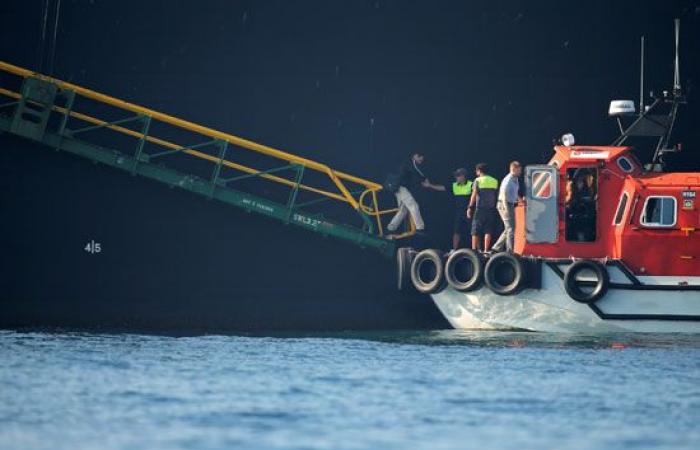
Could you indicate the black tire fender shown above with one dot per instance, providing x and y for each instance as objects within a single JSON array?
[
  {"x": 493, "y": 273},
  {"x": 404, "y": 257},
  {"x": 573, "y": 287},
  {"x": 475, "y": 266},
  {"x": 427, "y": 271}
]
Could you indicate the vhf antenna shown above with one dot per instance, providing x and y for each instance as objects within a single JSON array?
[
  {"x": 661, "y": 125},
  {"x": 676, "y": 99},
  {"x": 676, "y": 73},
  {"x": 641, "y": 80}
]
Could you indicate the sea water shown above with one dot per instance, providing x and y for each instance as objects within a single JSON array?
[{"x": 431, "y": 390}]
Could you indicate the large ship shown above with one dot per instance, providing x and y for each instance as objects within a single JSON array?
[
  {"x": 117, "y": 216},
  {"x": 603, "y": 243}
]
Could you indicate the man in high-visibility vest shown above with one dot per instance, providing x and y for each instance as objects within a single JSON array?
[
  {"x": 462, "y": 191},
  {"x": 482, "y": 208}
]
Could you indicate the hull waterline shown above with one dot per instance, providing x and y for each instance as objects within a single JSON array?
[{"x": 550, "y": 309}]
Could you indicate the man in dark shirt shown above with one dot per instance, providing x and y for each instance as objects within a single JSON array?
[
  {"x": 410, "y": 178},
  {"x": 482, "y": 208}
]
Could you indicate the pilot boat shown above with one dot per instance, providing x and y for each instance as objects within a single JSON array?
[{"x": 627, "y": 258}]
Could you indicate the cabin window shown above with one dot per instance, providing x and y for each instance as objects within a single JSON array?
[
  {"x": 581, "y": 204},
  {"x": 659, "y": 211},
  {"x": 541, "y": 184},
  {"x": 625, "y": 164},
  {"x": 621, "y": 208}
]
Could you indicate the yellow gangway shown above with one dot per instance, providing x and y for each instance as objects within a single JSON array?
[{"x": 42, "y": 97}]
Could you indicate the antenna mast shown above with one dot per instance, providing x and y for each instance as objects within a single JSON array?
[
  {"x": 676, "y": 73},
  {"x": 650, "y": 122},
  {"x": 641, "y": 80},
  {"x": 675, "y": 99}
]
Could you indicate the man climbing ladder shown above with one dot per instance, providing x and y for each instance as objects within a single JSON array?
[{"x": 409, "y": 178}]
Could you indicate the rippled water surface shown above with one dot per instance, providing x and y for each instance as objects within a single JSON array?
[{"x": 433, "y": 390}]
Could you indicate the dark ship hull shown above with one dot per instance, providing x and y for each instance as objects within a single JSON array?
[{"x": 85, "y": 246}]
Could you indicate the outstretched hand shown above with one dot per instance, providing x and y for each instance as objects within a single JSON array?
[{"x": 435, "y": 187}]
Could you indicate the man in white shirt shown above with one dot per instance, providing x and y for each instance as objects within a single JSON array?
[{"x": 508, "y": 197}]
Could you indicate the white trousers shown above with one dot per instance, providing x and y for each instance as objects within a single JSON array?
[{"x": 407, "y": 204}]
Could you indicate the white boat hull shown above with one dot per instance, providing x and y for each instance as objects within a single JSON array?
[{"x": 551, "y": 309}]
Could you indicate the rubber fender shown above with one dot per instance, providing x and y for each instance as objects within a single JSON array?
[
  {"x": 404, "y": 257},
  {"x": 504, "y": 274},
  {"x": 428, "y": 271},
  {"x": 464, "y": 260},
  {"x": 573, "y": 285}
]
